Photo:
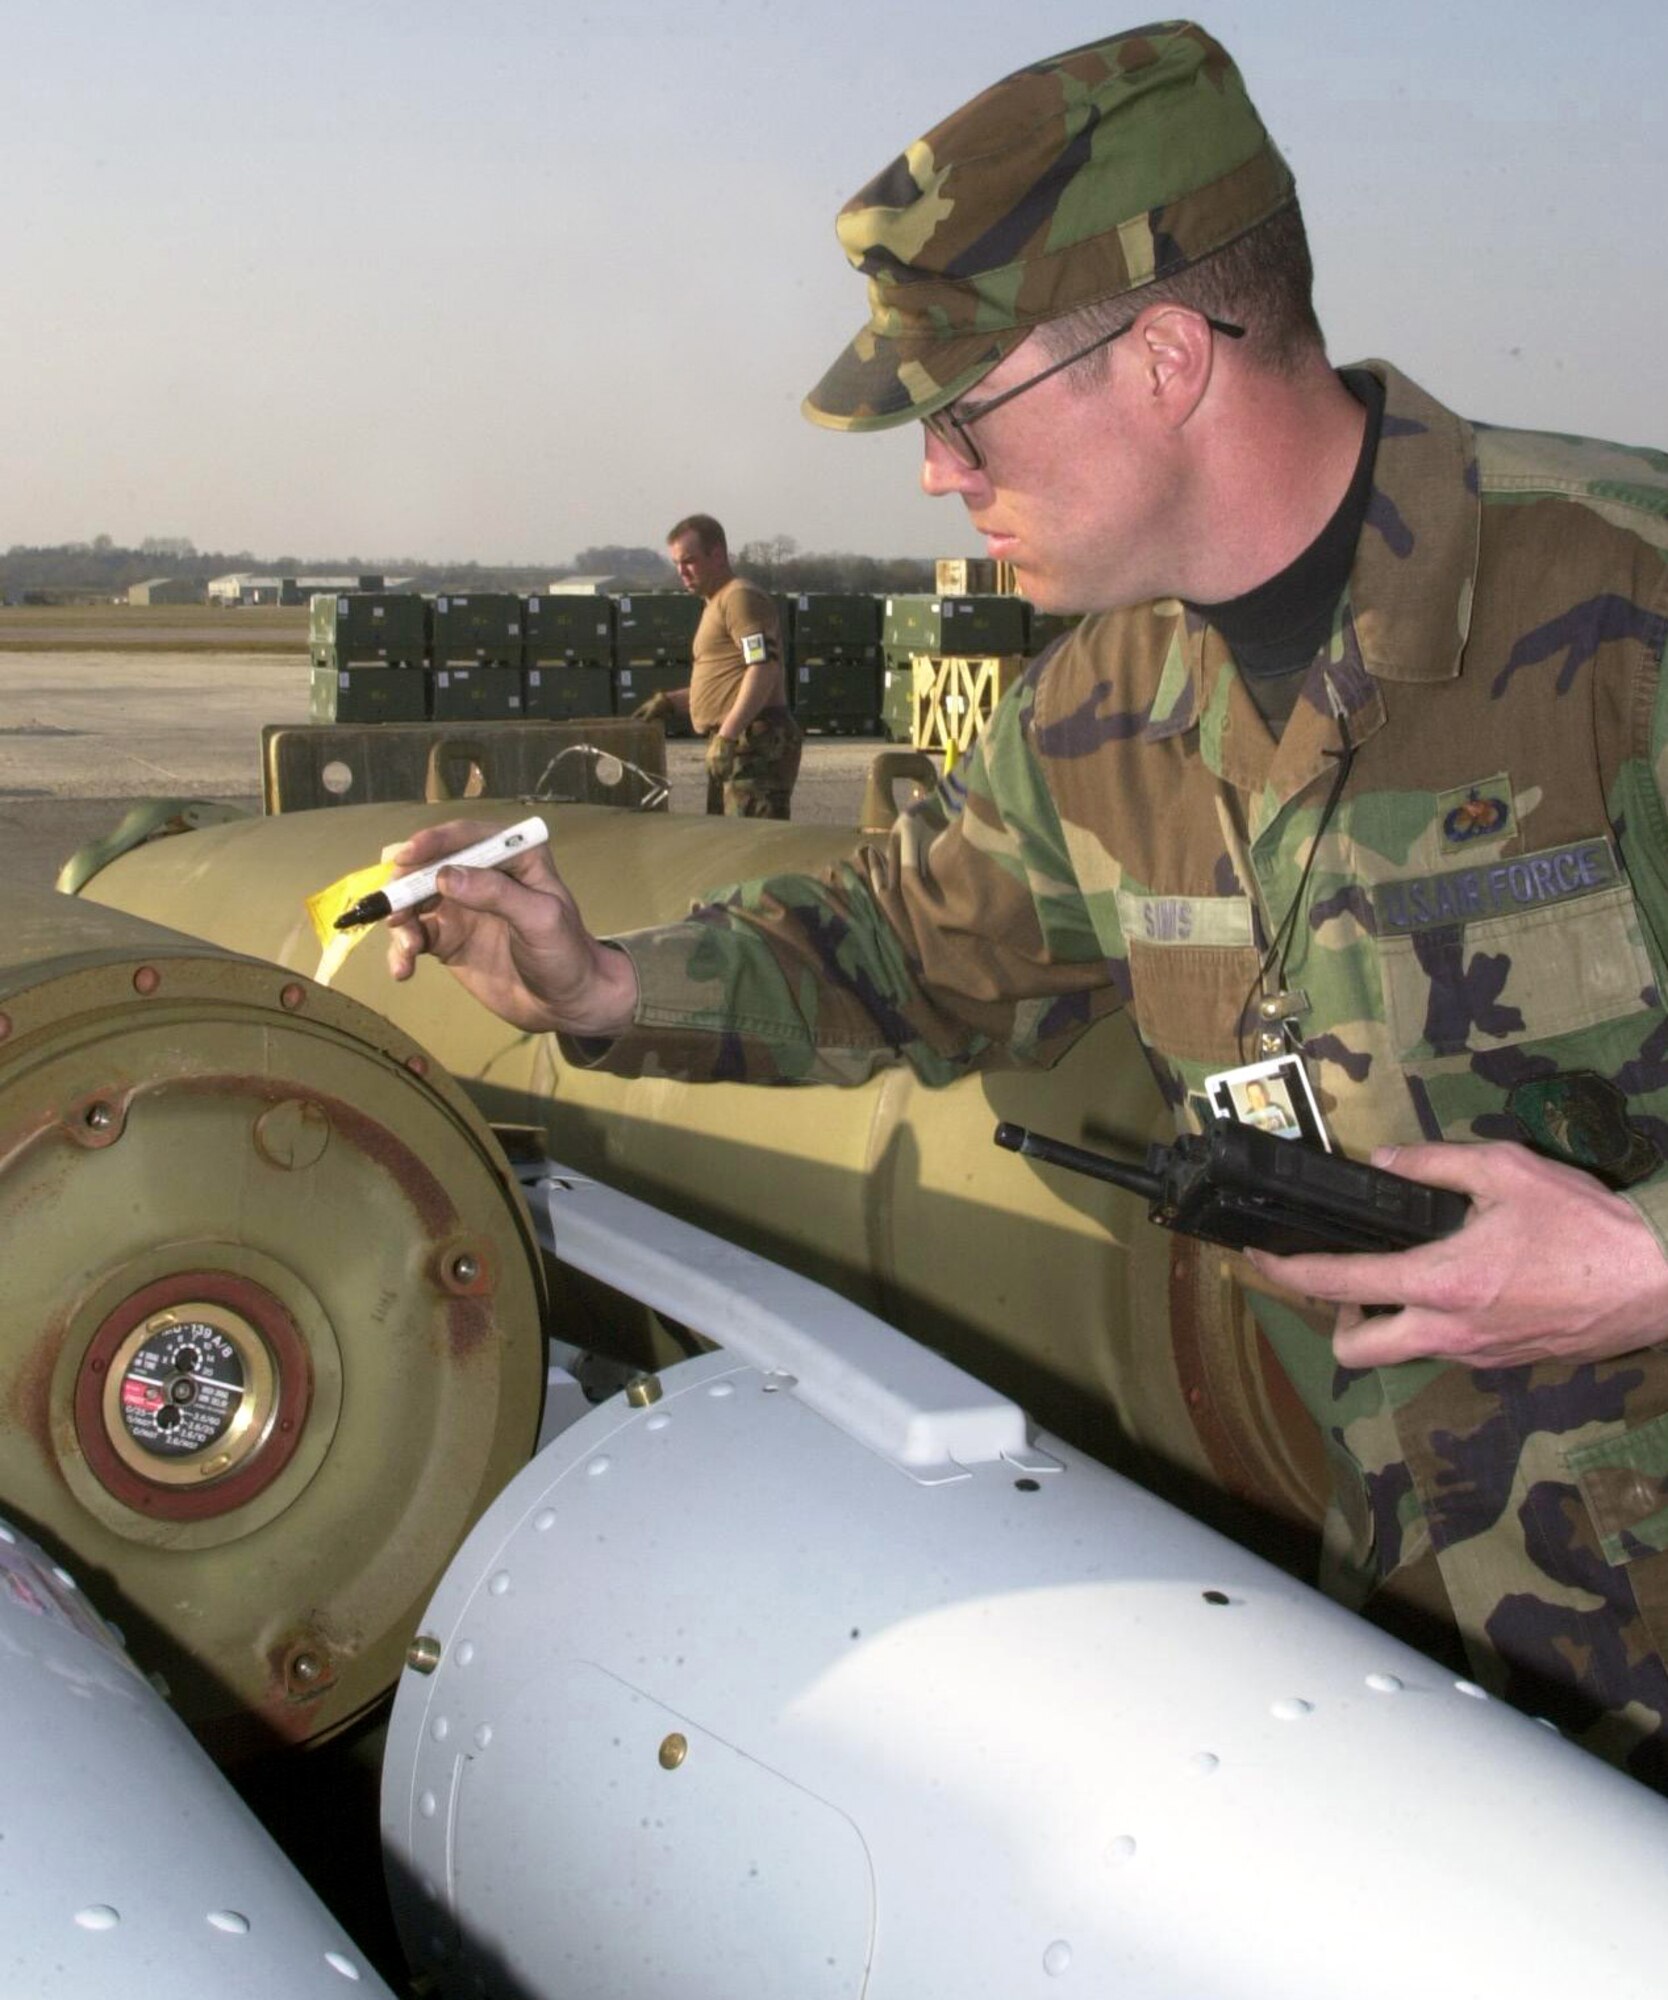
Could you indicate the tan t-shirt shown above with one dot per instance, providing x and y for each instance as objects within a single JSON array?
[{"x": 738, "y": 627}]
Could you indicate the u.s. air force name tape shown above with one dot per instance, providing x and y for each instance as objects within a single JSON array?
[{"x": 1495, "y": 888}]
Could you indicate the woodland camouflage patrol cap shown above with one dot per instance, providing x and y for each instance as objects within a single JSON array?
[{"x": 1075, "y": 180}]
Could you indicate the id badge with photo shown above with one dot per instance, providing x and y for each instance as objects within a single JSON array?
[{"x": 1273, "y": 1096}]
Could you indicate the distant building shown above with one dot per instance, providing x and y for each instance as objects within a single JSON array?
[
  {"x": 165, "y": 590},
  {"x": 585, "y": 586},
  {"x": 241, "y": 588}
]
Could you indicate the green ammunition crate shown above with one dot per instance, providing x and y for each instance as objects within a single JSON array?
[
  {"x": 833, "y": 625},
  {"x": 475, "y": 694},
  {"x": 1046, "y": 626},
  {"x": 554, "y": 694},
  {"x": 634, "y": 684},
  {"x": 656, "y": 625},
  {"x": 968, "y": 627},
  {"x": 897, "y": 703},
  {"x": 370, "y": 628},
  {"x": 367, "y": 694},
  {"x": 835, "y": 656},
  {"x": 840, "y": 698},
  {"x": 909, "y": 625},
  {"x": 483, "y": 629},
  {"x": 977, "y": 626},
  {"x": 574, "y": 628}
]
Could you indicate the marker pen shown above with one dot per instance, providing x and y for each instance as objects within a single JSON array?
[{"x": 405, "y": 890}]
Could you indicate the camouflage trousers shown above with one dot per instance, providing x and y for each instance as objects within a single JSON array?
[
  {"x": 760, "y": 782},
  {"x": 1524, "y": 1508}
]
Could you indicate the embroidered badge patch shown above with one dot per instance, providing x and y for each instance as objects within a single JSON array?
[
  {"x": 1581, "y": 1117},
  {"x": 1494, "y": 888},
  {"x": 1476, "y": 812}
]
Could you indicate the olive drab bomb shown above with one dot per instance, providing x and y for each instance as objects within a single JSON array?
[{"x": 273, "y": 1326}]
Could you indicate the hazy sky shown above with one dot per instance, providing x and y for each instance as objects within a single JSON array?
[{"x": 502, "y": 279}]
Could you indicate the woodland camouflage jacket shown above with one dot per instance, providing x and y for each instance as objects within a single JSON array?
[{"x": 1482, "y": 944}]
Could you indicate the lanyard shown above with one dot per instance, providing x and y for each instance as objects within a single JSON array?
[{"x": 1279, "y": 1004}]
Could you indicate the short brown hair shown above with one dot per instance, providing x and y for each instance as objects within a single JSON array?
[
  {"x": 708, "y": 532},
  {"x": 1263, "y": 281}
]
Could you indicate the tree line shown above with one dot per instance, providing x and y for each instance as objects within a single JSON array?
[
  {"x": 102, "y": 568},
  {"x": 779, "y": 564}
]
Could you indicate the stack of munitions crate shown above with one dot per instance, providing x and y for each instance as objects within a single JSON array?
[
  {"x": 368, "y": 651},
  {"x": 908, "y": 626},
  {"x": 949, "y": 659},
  {"x": 475, "y": 657},
  {"x": 784, "y": 600},
  {"x": 1046, "y": 627},
  {"x": 568, "y": 650},
  {"x": 654, "y": 646},
  {"x": 833, "y": 656}
]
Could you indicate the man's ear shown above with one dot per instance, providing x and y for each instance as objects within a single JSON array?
[{"x": 1175, "y": 353}]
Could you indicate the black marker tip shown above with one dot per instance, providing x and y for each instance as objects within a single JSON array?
[{"x": 366, "y": 911}]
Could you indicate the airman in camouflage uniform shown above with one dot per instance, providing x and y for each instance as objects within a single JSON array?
[{"x": 1442, "y": 878}]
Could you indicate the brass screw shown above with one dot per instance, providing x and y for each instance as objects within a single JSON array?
[
  {"x": 673, "y": 1751},
  {"x": 422, "y": 1656},
  {"x": 642, "y": 1390},
  {"x": 292, "y": 997},
  {"x": 146, "y": 980},
  {"x": 307, "y": 1672}
]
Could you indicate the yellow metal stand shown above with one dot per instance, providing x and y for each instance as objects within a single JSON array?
[{"x": 953, "y": 698}]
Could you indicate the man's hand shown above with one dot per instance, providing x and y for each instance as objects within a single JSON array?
[
  {"x": 722, "y": 751},
  {"x": 1551, "y": 1266},
  {"x": 655, "y": 709},
  {"x": 513, "y": 936}
]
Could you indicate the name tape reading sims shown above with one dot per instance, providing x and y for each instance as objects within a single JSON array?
[{"x": 406, "y": 891}]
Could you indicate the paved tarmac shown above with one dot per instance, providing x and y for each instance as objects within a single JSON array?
[{"x": 84, "y": 736}]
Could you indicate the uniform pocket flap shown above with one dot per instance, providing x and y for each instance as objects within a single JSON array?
[{"x": 1624, "y": 1481}]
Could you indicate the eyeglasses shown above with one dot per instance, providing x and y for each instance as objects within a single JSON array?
[{"x": 950, "y": 425}]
